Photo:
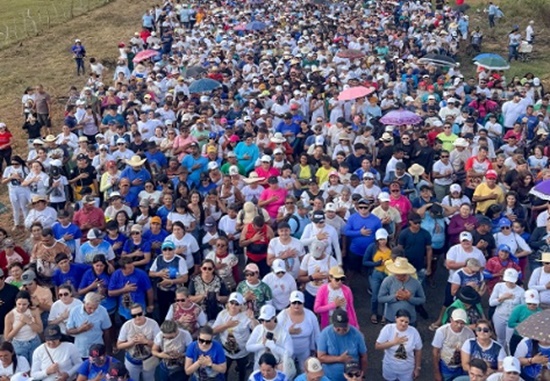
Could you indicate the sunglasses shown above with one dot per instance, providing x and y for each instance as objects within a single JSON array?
[
  {"x": 354, "y": 374},
  {"x": 280, "y": 273},
  {"x": 296, "y": 302},
  {"x": 362, "y": 207},
  {"x": 395, "y": 190},
  {"x": 207, "y": 268},
  {"x": 221, "y": 245},
  {"x": 137, "y": 314},
  {"x": 181, "y": 300},
  {"x": 415, "y": 222},
  {"x": 484, "y": 329},
  {"x": 234, "y": 303},
  {"x": 249, "y": 274},
  {"x": 135, "y": 233},
  {"x": 339, "y": 279},
  {"x": 63, "y": 294},
  {"x": 546, "y": 263},
  {"x": 505, "y": 228},
  {"x": 203, "y": 341},
  {"x": 444, "y": 156}
]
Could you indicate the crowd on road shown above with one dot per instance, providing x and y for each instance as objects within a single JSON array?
[{"x": 201, "y": 208}]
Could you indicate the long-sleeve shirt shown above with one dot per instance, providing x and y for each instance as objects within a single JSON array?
[
  {"x": 253, "y": 153},
  {"x": 65, "y": 355},
  {"x": 539, "y": 279},
  {"x": 519, "y": 314},
  {"x": 281, "y": 347},
  {"x": 359, "y": 242},
  {"x": 389, "y": 287},
  {"x": 310, "y": 234}
]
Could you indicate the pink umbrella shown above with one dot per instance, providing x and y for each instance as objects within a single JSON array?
[
  {"x": 355, "y": 92},
  {"x": 144, "y": 55},
  {"x": 240, "y": 27}
]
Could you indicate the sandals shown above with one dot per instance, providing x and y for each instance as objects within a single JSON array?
[{"x": 374, "y": 319}]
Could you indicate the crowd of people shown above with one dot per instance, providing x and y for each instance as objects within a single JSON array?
[{"x": 214, "y": 208}]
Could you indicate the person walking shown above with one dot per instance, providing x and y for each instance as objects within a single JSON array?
[{"x": 79, "y": 53}]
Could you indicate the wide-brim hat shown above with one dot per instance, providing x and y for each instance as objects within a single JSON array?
[
  {"x": 468, "y": 295},
  {"x": 253, "y": 178},
  {"x": 544, "y": 257},
  {"x": 401, "y": 266},
  {"x": 136, "y": 161},
  {"x": 416, "y": 170},
  {"x": 278, "y": 138}
]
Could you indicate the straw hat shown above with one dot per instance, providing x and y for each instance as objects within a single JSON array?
[
  {"x": 545, "y": 257},
  {"x": 278, "y": 138},
  {"x": 253, "y": 178},
  {"x": 416, "y": 170},
  {"x": 249, "y": 212},
  {"x": 401, "y": 266},
  {"x": 136, "y": 161},
  {"x": 50, "y": 139}
]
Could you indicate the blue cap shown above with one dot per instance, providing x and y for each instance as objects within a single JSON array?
[
  {"x": 212, "y": 135},
  {"x": 504, "y": 222},
  {"x": 168, "y": 245},
  {"x": 504, "y": 247}
]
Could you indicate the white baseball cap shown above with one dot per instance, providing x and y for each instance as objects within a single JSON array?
[
  {"x": 330, "y": 207},
  {"x": 266, "y": 159},
  {"x": 236, "y": 297},
  {"x": 267, "y": 312},
  {"x": 465, "y": 236},
  {"x": 510, "y": 275},
  {"x": 384, "y": 196},
  {"x": 459, "y": 314},
  {"x": 212, "y": 165},
  {"x": 455, "y": 188},
  {"x": 381, "y": 234},
  {"x": 278, "y": 266},
  {"x": 511, "y": 364},
  {"x": 297, "y": 296},
  {"x": 531, "y": 296}
]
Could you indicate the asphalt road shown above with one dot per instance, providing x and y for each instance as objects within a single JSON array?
[{"x": 434, "y": 301}]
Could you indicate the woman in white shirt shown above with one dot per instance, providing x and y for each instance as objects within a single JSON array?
[
  {"x": 303, "y": 326},
  {"x": 287, "y": 248},
  {"x": 505, "y": 297},
  {"x": 540, "y": 277},
  {"x": 37, "y": 180},
  {"x": 19, "y": 195},
  {"x": 11, "y": 364},
  {"x": 233, "y": 326},
  {"x": 59, "y": 313}
]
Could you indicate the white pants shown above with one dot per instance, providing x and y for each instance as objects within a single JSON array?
[
  {"x": 502, "y": 331},
  {"x": 137, "y": 370},
  {"x": 20, "y": 199},
  {"x": 391, "y": 374}
]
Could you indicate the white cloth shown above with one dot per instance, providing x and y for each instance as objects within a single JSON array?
[
  {"x": 66, "y": 355},
  {"x": 280, "y": 288},
  {"x": 281, "y": 346},
  {"x": 58, "y": 308},
  {"x": 448, "y": 341},
  {"x": 311, "y": 265},
  {"x": 457, "y": 254},
  {"x": 22, "y": 366},
  {"x": 306, "y": 341},
  {"x": 190, "y": 245},
  {"x": 390, "y": 362},
  {"x": 538, "y": 281},
  {"x": 276, "y": 249},
  {"x": 241, "y": 332}
]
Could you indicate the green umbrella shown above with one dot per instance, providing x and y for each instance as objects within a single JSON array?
[{"x": 493, "y": 62}]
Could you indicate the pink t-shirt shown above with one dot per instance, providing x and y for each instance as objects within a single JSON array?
[
  {"x": 267, "y": 174},
  {"x": 274, "y": 206},
  {"x": 404, "y": 206}
]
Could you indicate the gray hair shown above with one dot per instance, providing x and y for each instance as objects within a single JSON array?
[{"x": 93, "y": 298}]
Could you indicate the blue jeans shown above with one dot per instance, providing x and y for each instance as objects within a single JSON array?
[
  {"x": 26, "y": 348},
  {"x": 375, "y": 281}
]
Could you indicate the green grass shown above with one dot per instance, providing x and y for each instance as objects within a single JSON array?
[
  {"x": 516, "y": 12},
  {"x": 21, "y": 19}
]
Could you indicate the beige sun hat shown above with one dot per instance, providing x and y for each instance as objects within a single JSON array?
[
  {"x": 253, "y": 178},
  {"x": 416, "y": 170},
  {"x": 401, "y": 266},
  {"x": 136, "y": 161}
]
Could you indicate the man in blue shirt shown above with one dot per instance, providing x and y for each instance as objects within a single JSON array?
[
  {"x": 98, "y": 362},
  {"x": 67, "y": 232},
  {"x": 79, "y": 52},
  {"x": 339, "y": 344},
  {"x": 88, "y": 322},
  {"x": 196, "y": 164},
  {"x": 157, "y": 160},
  {"x": 287, "y": 126},
  {"x": 360, "y": 230},
  {"x": 136, "y": 174},
  {"x": 131, "y": 286},
  {"x": 67, "y": 272}
]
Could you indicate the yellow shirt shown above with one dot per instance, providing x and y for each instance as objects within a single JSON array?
[
  {"x": 382, "y": 255},
  {"x": 447, "y": 140},
  {"x": 305, "y": 173},
  {"x": 322, "y": 174},
  {"x": 482, "y": 190}
]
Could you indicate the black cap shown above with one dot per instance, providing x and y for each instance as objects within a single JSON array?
[
  {"x": 272, "y": 180},
  {"x": 82, "y": 156},
  {"x": 61, "y": 257},
  {"x": 318, "y": 216},
  {"x": 352, "y": 366},
  {"x": 117, "y": 369},
  {"x": 97, "y": 350},
  {"x": 339, "y": 318},
  {"x": 52, "y": 332}
]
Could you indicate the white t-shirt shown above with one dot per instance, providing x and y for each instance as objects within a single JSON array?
[
  {"x": 280, "y": 288},
  {"x": 57, "y": 310},
  {"x": 457, "y": 254},
  {"x": 538, "y": 281},
  {"x": 150, "y": 329},
  {"x": 66, "y": 355},
  {"x": 312, "y": 265},
  {"x": 190, "y": 246},
  {"x": 241, "y": 332},
  {"x": 514, "y": 241},
  {"x": 276, "y": 248},
  {"x": 177, "y": 344},
  {"x": 58, "y": 192},
  {"x": 504, "y": 309},
  {"x": 186, "y": 219},
  {"x": 250, "y": 193},
  {"x": 448, "y": 341},
  {"x": 182, "y": 265},
  {"x": 12, "y": 170},
  {"x": 441, "y": 168},
  {"x": 22, "y": 366},
  {"x": 305, "y": 341},
  {"x": 413, "y": 343}
]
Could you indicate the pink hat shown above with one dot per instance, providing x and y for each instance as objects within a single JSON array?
[
  {"x": 234, "y": 138},
  {"x": 223, "y": 120},
  {"x": 252, "y": 267}
]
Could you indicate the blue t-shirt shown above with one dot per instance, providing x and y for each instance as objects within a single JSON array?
[
  {"x": 303, "y": 377},
  {"x": 59, "y": 231},
  {"x": 158, "y": 158},
  {"x": 194, "y": 174},
  {"x": 359, "y": 242},
  {"x": 257, "y": 376},
  {"x": 215, "y": 352},
  {"x": 140, "y": 279},
  {"x": 89, "y": 370},
  {"x": 130, "y": 174},
  {"x": 415, "y": 246},
  {"x": 88, "y": 252},
  {"x": 72, "y": 277},
  {"x": 89, "y": 277},
  {"x": 163, "y": 212},
  {"x": 144, "y": 246},
  {"x": 120, "y": 238},
  {"x": 334, "y": 344}
]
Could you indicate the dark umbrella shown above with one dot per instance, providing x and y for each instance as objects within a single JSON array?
[
  {"x": 350, "y": 54},
  {"x": 438, "y": 59},
  {"x": 204, "y": 85},
  {"x": 536, "y": 326},
  {"x": 194, "y": 71},
  {"x": 255, "y": 26}
]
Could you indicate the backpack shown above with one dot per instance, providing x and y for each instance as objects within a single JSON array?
[{"x": 287, "y": 219}]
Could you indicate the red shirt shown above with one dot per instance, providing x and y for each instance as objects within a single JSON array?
[
  {"x": 95, "y": 218},
  {"x": 5, "y": 138}
]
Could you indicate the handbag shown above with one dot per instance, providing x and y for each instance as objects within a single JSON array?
[{"x": 150, "y": 363}]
